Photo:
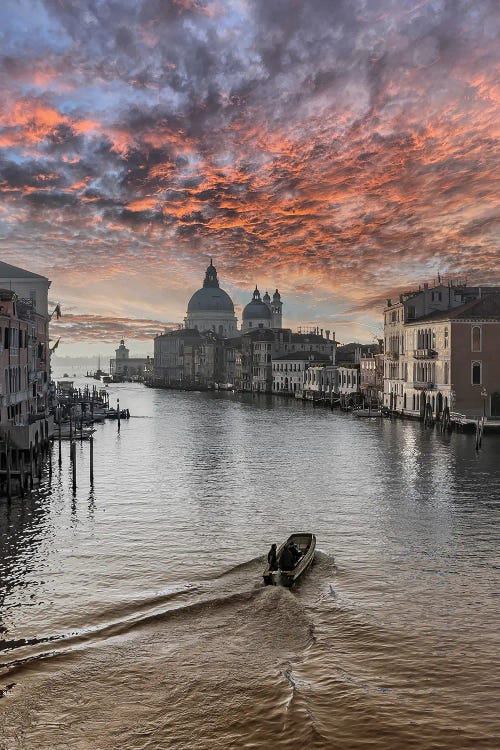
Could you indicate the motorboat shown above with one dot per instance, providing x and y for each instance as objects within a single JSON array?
[
  {"x": 285, "y": 575},
  {"x": 367, "y": 412},
  {"x": 72, "y": 432},
  {"x": 113, "y": 414}
]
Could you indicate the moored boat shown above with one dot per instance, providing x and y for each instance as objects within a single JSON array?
[
  {"x": 367, "y": 413},
  {"x": 287, "y": 574}
]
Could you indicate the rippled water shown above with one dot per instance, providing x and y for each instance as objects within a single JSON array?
[{"x": 133, "y": 615}]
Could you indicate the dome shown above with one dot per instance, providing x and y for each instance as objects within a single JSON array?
[
  {"x": 210, "y": 298},
  {"x": 256, "y": 309}
]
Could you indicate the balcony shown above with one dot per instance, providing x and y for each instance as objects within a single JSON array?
[
  {"x": 420, "y": 385},
  {"x": 424, "y": 353},
  {"x": 392, "y": 355}
]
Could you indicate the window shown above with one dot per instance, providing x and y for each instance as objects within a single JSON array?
[
  {"x": 446, "y": 338},
  {"x": 476, "y": 373},
  {"x": 476, "y": 338},
  {"x": 446, "y": 372}
]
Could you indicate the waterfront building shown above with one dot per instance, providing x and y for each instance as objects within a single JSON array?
[
  {"x": 320, "y": 381},
  {"x": 169, "y": 366},
  {"x": 125, "y": 367},
  {"x": 349, "y": 384},
  {"x": 289, "y": 370},
  {"x": 28, "y": 286},
  {"x": 261, "y": 346},
  {"x": 441, "y": 351},
  {"x": 371, "y": 375},
  {"x": 24, "y": 371},
  {"x": 187, "y": 358},
  {"x": 211, "y": 308},
  {"x": 452, "y": 361}
]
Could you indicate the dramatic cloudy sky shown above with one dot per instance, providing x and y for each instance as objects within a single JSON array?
[{"x": 342, "y": 150}]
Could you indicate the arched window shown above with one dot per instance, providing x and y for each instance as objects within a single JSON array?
[
  {"x": 476, "y": 338},
  {"x": 476, "y": 373}
]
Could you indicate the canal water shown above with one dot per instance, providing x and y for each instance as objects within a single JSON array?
[{"x": 132, "y": 615}]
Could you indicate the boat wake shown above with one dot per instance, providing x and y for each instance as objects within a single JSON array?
[{"x": 238, "y": 587}]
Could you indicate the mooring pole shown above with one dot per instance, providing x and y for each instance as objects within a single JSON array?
[
  {"x": 60, "y": 449},
  {"x": 7, "y": 458},
  {"x": 91, "y": 460},
  {"x": 73, "y": 461},
  {"x": 118, "y": 411}
]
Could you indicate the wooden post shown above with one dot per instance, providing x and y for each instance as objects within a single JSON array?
[
  {"x": 118, "y": 411},
  {"x": 7, "y": 459},
  {"x": 91, "y": 460},
  {"x": 32, "y": 470},
  {"x": 60, "y": 449},
  {"x": 73, "y": 461},
  {"x": 22, "y": 472}
]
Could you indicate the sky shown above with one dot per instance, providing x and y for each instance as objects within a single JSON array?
[{"x": 343, "y": 151}]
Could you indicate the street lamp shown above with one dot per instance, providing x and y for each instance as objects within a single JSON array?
[{"x": 484, "y": 396}]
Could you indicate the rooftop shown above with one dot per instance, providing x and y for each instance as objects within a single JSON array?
[
  {"x": 7, "y": 271},
  {"x": 304, "y": 357},
  {"x": 486, "y": 307}
]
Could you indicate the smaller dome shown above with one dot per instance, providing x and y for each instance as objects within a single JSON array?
[
  {"x": 256, "y": 309},
  {"x": 266, "y": 297}
]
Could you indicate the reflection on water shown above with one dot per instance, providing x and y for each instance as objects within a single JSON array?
[{"x": 149, "y": 584}]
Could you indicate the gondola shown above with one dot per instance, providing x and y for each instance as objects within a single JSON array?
[{"x": 307, "y": 544}]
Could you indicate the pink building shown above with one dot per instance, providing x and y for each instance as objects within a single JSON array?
[{"x": 25, "y": 424}]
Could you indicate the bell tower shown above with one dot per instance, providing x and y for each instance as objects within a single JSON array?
[{"x": 276, "y": 310}]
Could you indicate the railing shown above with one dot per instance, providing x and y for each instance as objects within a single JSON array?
[
  {"x": 424, "y": 353},
  {"x": 420, "y": 385}
]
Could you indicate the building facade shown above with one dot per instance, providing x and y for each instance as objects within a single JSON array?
[
  {"x": 289, "y": 371},
  {"x": 442, "y": 352},
  {"x": 24, "y": 368},
  {"x": 125, "y": 367}
]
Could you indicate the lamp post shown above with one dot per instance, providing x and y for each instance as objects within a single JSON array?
[{"x": 484, "y": 396}]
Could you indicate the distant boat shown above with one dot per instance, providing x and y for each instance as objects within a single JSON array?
[
  {"x": 367, "y": 412},
  {"x": 75, "y": 432},
  {"x": 306, "y": 543}
]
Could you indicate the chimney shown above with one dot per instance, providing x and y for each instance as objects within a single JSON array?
[
  {"x": 389, "y": 303},
  {"x": 321, "y": 330},
  {"x": 426, "y": 286},
  {"x": 327, "y": 334}
]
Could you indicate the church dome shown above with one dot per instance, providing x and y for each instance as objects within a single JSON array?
[
  {"x": 256, "y": 309},
  {"x": 210, "y": 298}
]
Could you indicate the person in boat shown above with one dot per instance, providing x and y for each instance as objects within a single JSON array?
[
  {"x": 271, "y": 558},
  {"x": 296, "y": 552},
  {"x": 287, "y": 559}
]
